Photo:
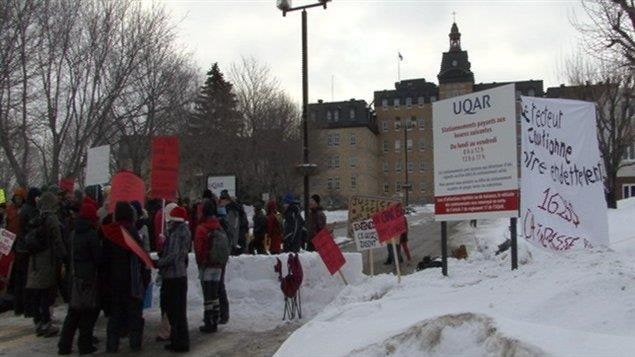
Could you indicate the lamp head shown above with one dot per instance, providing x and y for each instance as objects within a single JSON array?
[{"x": 283, "y": 5}]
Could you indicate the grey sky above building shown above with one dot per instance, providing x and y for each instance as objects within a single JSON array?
[{"x": 354, "y": 44}]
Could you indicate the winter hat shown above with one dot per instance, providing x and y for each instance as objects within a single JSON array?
[
  {"x": 224, "y": 195},
  {"x": 178, "y": 214},
  {"x": 316, "y": 198},
  {"x": 20, "y": 192},
  {"x": 168, "y": 208},
  {"x": 88, "y": 209},
  {"x": 288, "y": 199}
]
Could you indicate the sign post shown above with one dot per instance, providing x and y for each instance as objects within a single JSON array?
[
  {"x": 475, "y": 157},
  {"x": 563, "y": 203}
]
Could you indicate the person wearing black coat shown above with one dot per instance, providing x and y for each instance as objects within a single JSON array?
[
  {"x": 127, "y": 279},
  {"x": 257, "y": 245},
  {"x": 85, "y": 256},
  {"x": 294, "y": 230}
]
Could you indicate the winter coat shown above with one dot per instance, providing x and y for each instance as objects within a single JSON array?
[
  {"x": 260, "y": 225},
  {"x": 173, "y": 261},
  {"x": 43, "y": 266},
  {"x": 317, "y": 222},
  {"x": 202, "y": 243},
  {"x": 124, "y": 272},
  {"x": 294, "y": 230},
  {"x": 238, "y": 225},
  {"x": 87, "y": 251}
]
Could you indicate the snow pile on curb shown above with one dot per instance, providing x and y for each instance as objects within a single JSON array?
[
  {"x": 256, "y": 301},
  {"x": 579, "y": 303}
]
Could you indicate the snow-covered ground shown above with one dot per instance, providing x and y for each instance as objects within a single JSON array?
[{"x": 576, "y": 304}]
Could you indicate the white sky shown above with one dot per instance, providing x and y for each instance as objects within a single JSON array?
[{"x": 356, "y": 41}]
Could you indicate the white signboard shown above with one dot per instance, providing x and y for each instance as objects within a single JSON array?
[
  {"x": 563, "y": 203},
  {"x": 98, "y": 165},
  {"x": 6, "y": 241},
  {"x": 475, "y": 155},
  {"x": 365, "y": 235},
  {"x": 218, "y": 183}
]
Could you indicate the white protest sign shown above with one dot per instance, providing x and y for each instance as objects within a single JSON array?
[
  {"x": 6, "y": 241},
  {"x": 562, "y": 204},
  {"x": 365, "y": 235},
  {"x": 475, "y": 155},
  {"x": 216, "y": 184},
  {"x": 98, "y": 165}
]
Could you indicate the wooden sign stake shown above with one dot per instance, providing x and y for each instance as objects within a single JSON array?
[{"x": 395, "y": 257}]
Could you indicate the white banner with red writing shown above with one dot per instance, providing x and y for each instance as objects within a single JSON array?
[{"x": 562, "y": 187}]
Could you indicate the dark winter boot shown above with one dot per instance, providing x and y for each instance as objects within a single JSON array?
[
  {"x": 48, "y": 330},
  {"x": 208, "y": 320}
]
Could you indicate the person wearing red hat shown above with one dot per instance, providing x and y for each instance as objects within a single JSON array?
[
  {"x": 173, "y": 269},
  {"x": 85, "y": 256}
]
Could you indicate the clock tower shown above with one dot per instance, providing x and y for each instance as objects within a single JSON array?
[{"x": 455, "y": 77}]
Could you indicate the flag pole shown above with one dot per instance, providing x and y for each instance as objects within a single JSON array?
[{"x": 398, "y": 68}]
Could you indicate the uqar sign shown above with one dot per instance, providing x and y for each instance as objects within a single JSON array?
[
  {"x": 216, "y": 184},
  {"x": 475, "y": 155}
]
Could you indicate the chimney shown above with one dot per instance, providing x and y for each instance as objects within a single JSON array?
[{"x": 320, "y": 101}]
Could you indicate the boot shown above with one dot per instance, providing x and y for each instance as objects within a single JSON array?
[
  {"x": 48, "y": 330},
  {"x": 208, "y": 324}
]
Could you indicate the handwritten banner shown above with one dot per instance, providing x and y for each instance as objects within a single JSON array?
[
  {"x": 98, "y": 165},
  {"x": 126, "y": 187},
  {"x": 165, "y": 167},
  {"x": 330, "y": 252},
  {"x": 562, "y": 203},
  {"x": 6, "y": 241},
  {"x": 390, "y": 223},
  {"x": 361, "y": 208},
  {"x": 365, "y": 235}
]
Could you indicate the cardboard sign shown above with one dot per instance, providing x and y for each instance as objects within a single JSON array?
[
  {"x": 126, "y": 187},
  {"x": 563, "y": 203},
  {"x": 6, "y": 241},
  {"x": 365, "y": 235},
  {"x": 475, "y": 155},
  {"x": 67, "y": 184},
  {"x": 3, "y": 196},
  {"x": 165, "y": 167},
  {"x": 120, "y": 236},
  {"x": 330, "y": 252},
  {"x": 361, "y": 208},
  {"x": 390, "y": 223},
  {"x": 98, "y": 165}
]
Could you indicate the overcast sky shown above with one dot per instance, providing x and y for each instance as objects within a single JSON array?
[{"x": 356, "y": 41}]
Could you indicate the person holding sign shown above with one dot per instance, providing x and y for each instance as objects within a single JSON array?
[{"x": 317, "y": 220}]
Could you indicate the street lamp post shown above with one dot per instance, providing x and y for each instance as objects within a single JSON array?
[{"x": 305, "y": 168}]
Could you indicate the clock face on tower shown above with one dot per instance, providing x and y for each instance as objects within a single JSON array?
[{"x": 454, "y": 63}]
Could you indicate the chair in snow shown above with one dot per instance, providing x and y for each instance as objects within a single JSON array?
[{"x": 290, "y": 286}]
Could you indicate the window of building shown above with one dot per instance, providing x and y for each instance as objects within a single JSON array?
[
  {"x": 422, "y": 166},
  {"x": 413, "y": 123},
  {"x": 336, "y": 183},
  {"x": 336, "y": 115},
  {"x": 409, "y": 144},
  {"x": 384, "y": 103},
  {"x": 410, "y": 167},
  {"x": 421, "y": 101},
  {"x": 421, "y": 122},
  {"x": 422, "y": 144},
  {"x": 408, "y": 102},
  {"x": 396, "y": 101},
  {"x": 329, "y": 183},
  {"x": 351, "y": 114},
  {"x": 336, "y": 161},
  {"x": 423, "y": 187},
  {"x": 629, "y": 153},
  {"x": 353, "y": 139},
  {"x": 628, "y": 190},
  {"x": 398, "y": 166},
  {"x": 384, "y": 125},
  {"x": 329, "y": 140},
  {"x": 328, "y": 116},
  {"x": 353, "y": 182},
  {"x": 385, "y": 145},
  {"x": 352, "y": 161},
  {"x": 385, "y": 167},
  {"x": 336, "y": 139},
  {"x": 397, "y": 123},
  {"x": 397, "y": 145},
  {"x": 398, "y": 186},
  {"x": 386, "y": 187}
]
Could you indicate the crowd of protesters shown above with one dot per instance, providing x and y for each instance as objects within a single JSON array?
[{"x": 75, "y": 247}]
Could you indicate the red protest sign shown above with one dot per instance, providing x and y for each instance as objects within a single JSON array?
[
  {"x": 126, "y": 187},
  {"x": 165, "y": 167},
  {"x": 120, "y": 236},
  {"x": 67, "y": 184},
  {"x": 329, "y": 251},
  {"x": 390, "y": 223}
]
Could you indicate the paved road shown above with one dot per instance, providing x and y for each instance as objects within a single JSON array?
[{"x": 424, "y": 239}]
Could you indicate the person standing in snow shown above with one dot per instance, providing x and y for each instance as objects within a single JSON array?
[
  {"x": 317, "y": 221},
  {"x": 237, "y": 223},
  {"x": 17, "y": 279},
  {"x": 257, "y": 245},
  {"x": 211, "y": 246},
  {"x": 173, "y": 269},
  {"x": 294, "y": 230},
  {"x": 274, "y": 227}
]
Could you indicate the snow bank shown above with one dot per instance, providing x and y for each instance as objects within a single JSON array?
[
  {"x": 579, "y": 303},
  {"x": 256, "y": 302}
]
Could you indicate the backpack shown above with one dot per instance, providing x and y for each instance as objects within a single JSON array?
[
  {"x": 220, "y": 251},
  {"x": 36, "y": 240}
]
